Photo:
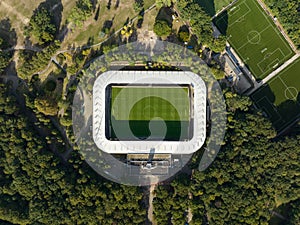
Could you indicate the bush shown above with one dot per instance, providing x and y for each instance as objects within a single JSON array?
[
  {"x": 162, "y": 28},
  {"x": 138, "y": 5},
  {"x": 50, "y": 85},
  {"x": 184, "y": 36}
]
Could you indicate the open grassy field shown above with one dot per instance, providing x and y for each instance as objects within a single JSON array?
[
  {"x": 280, "y": 97},
  {"x": 155, "y": 107},
  {"x": 254, "y": 37},
  {"x": 117, "y": 17}
]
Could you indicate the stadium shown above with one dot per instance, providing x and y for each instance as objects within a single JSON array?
[{"x": 143, "y": 112}]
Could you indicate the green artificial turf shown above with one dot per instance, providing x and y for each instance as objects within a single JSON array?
[
  {"x": 255, "y": 37},
  {"x": 146, "y": 103},
  {"x": 156, "y": 111},
  {"x": 280, "y": 97}
]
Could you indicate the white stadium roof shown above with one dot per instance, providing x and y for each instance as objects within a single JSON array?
[{"x": 149, "y": 77}]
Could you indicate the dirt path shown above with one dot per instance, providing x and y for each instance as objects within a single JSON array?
[
  {"x": 150, "y": 208},
  {"x": 190, "y": 213}
]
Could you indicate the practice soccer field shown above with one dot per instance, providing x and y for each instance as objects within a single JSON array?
[
  {"x": 280, "y": 97},
  {"x": 254, "y": 36},
  {"x": 159, "y": 106}
]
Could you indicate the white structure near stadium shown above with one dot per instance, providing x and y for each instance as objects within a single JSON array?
[{"x": 152, "y": 78}]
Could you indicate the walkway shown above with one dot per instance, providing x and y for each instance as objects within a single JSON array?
[
  {"x": 274, "y": 73},
  {"x": 224, "y": 9},
  {"x": 150, "y": 208}
]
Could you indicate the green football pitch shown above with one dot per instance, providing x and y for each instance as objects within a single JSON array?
[
  {"x": 159, "y": 105},
  {"x": 280, "y": 97},
  {"x": 254, "y": 36}
]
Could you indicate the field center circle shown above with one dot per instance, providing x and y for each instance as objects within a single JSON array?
[
  {"x": 291, "y": 93},
  {"x": 149, "y": 111},
  {"x": 253, "y": 37}
]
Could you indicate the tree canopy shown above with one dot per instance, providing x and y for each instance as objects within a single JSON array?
[
  {"x": 38, "y": 188},
  {"x": 288, "y": 13},
  {"x": 41, "y": 26},
  {"x": 162, "y": 28},
  {"x": 253, "y": 174}
]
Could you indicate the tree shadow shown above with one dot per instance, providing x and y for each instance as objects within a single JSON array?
[
  {"x": 134, "y": 36},
  {"x": 107, "y": 25},
  {"x": 140, "y": 18},
  {"x": 62, "y": 33},
  {"x": 9, "y": 40},
  {"x": 208, "y": 6},
  {"x": 221, "y": 22},
  {"x": 7, "y": 34},
  {"x": 165, "y": 13},
  {"x": 97, "y": 13},
  {"x": 289, "y": 109},
  {"x": 282, "y": 115},
  {"x": 108, "y": 4},
  {"x": 117, "y": 4}
]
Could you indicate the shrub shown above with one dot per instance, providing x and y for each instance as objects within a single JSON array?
[{"x": 162, "y": 28}]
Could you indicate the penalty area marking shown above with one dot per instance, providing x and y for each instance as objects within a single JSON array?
[
  {"x": 270, "y": 65},
  {"x": 238, "y": 9}
]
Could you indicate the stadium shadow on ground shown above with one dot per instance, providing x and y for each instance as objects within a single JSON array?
[
  {"x": 152, "y": 130},
  {"x": 282, "y": 115}
]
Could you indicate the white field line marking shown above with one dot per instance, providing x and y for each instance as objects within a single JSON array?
[
  {"x": 268, "y": 66},
  {"x": 272, "y": 25},
  {"x": 246, "y": 43},
  {"x": 282, "y": 81}
]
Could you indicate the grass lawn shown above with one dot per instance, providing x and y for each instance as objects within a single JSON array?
[
  {"x": 154, "y": 107},
  {"x": 19, "y": 14},
  {"x": 259, "y": 44},
  {"x": 280, "y": 97},
  {"x": 92, "y": 28}
]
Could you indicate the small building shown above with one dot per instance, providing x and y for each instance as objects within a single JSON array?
[{"x": 231, "y": 68}]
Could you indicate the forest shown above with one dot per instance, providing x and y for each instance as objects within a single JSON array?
[
  {"x": 37, "y": 187},
  {"x": 288, "y": 13},
  {"x": 254, "y": 174}
]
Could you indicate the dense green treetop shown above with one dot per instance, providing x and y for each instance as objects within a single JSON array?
[
  {"x": 41, "y": 26},
  {"x": 288, "y": 13}
]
